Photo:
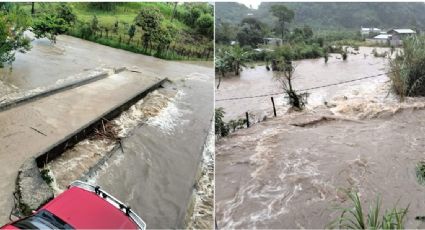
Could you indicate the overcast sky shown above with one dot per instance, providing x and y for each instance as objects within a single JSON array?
[{"x": 249, "y": 3}]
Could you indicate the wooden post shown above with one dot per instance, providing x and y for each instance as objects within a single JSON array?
[
  {"x": 247, "y": 120},
  {"x": 274, "y": 108}
]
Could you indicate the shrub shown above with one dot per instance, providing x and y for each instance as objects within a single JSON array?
[
  {"x": 407, "y": 73},
  {"x": 354, "y": 217},
  {"x": 221, "y": 129}
]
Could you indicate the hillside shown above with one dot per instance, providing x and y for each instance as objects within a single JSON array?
[{"x": 333, "y": 15}]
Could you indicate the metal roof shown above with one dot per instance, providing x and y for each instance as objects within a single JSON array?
[
  {"x": 403, "y": 31},
  {"x": 382, "y": 36}
]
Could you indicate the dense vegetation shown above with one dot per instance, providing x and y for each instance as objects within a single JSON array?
[
  {"x": 13, "y": 23},
  {"x": 333, "y": 15},
  {"x": 408, "y": 68},
  {"x": 165, "y": 30}
]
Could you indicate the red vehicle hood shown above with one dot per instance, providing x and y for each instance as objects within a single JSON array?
[{"x": 85, "y": 210}]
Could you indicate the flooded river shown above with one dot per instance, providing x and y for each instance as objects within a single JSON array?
[
  {"x": 153, "y": 168},
  {"x": 292, "y": 171},
  {"x": 308, "y": 73}
]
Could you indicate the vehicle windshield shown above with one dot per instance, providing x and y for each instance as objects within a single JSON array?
[{"x": 42, "y": 220}]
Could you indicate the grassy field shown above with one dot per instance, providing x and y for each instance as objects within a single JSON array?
[{"x": 187, "y": 44}]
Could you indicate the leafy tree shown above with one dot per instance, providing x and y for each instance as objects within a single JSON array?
[
  {"x": 164, "y": 37},
  {"x": 283, "y": 15},
  {"x": 205, "y": 25},
  {"x": 149, "y": 19},
  {"x": 251, "y": 32},
  {"x": 65, "y": 12},
  {"x": 13, "y": 24},
  {"x": 192, "y": 15},
  {"x": 225, "y": 32},
  {"x": 237, "y": 58},
  {"x": 49, "y": 25},
  {"x": 131, "y": 32}
]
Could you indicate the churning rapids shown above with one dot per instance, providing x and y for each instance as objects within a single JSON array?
[
  {"x": 291, "y": 171},
  {"x": 162, "y": 137}
]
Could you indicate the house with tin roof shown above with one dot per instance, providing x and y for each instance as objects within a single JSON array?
[{"x": 397, "y": 36}]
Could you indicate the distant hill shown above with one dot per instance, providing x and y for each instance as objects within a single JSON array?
[{"x": 324, "y": 15}]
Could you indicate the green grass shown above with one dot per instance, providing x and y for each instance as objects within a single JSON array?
[
  {"x": 355, "y": 217},
  {"x": 186, "y": 45}
]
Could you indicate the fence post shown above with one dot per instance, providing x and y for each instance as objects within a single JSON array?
[
  {"x": 247, "y": 120},
  {"x": 274, "y": 108}
]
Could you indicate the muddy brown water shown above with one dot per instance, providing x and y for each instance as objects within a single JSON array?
[
  {"x": 276, "y": 175},
  {"x": 308, "y": 73},
  {"x": 156, "y": 173},
  {"x": 292, "y": 171}
]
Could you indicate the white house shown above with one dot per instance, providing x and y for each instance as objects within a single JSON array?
[{"x": 368, "y": 31}]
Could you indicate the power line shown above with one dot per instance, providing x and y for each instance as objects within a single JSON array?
[{"x": 316, "y": 87}]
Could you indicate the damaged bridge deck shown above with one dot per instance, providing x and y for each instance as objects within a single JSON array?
[{"x": 37, "y": 127}]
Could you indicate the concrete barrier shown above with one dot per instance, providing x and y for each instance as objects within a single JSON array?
[
  {"x": 80, "y": 134},
  {"x": 35, "y": 94}
]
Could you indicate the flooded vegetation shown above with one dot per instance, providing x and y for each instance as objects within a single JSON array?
[
  {"x": 148, "y": 156},
  {"x": 351, "y": 157}
]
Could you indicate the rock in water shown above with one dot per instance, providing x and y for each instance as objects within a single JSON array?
[{"x": 32, "y": 189}]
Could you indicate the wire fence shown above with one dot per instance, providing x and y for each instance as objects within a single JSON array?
[{"x": 311, "y": 88}]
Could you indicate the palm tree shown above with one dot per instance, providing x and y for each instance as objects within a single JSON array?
[{"x": 237, "y": 57}]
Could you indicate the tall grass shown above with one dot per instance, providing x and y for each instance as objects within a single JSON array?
[
  {"x": 354, "y": 217},
  {"x": 407, "y": 73}
]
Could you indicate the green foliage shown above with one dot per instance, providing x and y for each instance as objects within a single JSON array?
[
  {"x": 49, "y": 25},
  {"x": 225, "y": 32},
  {"x": 407, "y": 73},
  {"x": 333, "y": 16},
  {"x": 103, "y": 6},
  {"x": 283, "y": 15},
  {"x": 149, "y": 21},
  {"x": 221, "y": 129},
  {"x": 163, "y": 38},
  {"x": 13, "y": 23},
  {"x": 250, "y": 32},
  {"x": 236, "y": 57},
  {"x": 65, "y": 12},
  {"x": 205, "y": 25},
  {"x": 94, "y": 25},
  {"x": 191, "y": 16},
  {"x": 297, "y": 51},
  {"x": 354, "y": 217}
]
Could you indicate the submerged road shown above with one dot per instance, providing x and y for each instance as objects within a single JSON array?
[
  {"x": 30, "y": 129},
  {"x": 172, "y": 156}
]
